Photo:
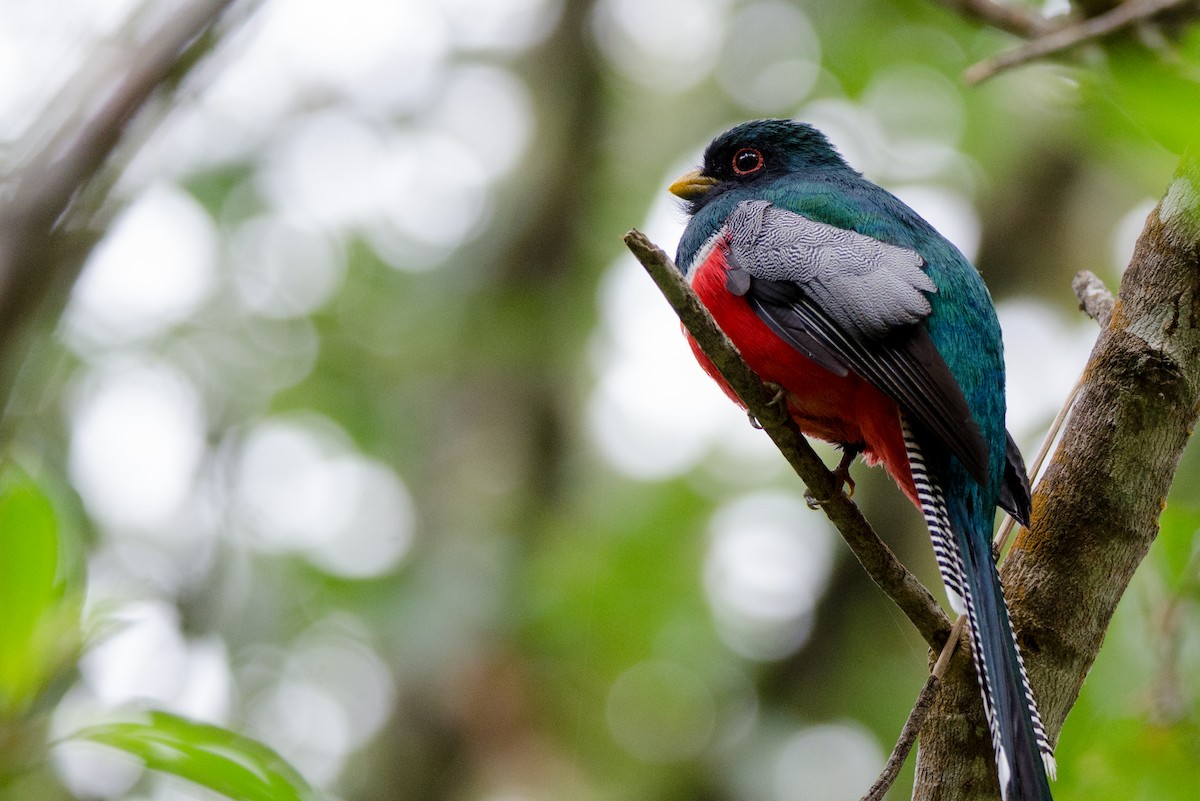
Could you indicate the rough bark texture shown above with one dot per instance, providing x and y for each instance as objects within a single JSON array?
[{"x": 1096, "y": 510}]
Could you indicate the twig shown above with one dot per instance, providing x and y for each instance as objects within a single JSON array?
[
  {"x": 880, "y": 563},
  {"x": 1122, "y": 16},
  {"x": 943, "y": 660},
  {"x": 916, "y": 718},
  {"x": 1017, "y": 20},
  {"x": 1097, "y": 302},
  {"x": 1095, "y": 299},
  {"x": 908, "y": 737},
  {"x": 1008, "y": 525}
]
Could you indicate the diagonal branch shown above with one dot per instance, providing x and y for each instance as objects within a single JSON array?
[
  {"x": 916, "y": 718},
  {"x": 1122, "y": 16},
  {"x": 39, "y": 250},
  {"x": 1094, "y": 298},
  {"x": 880, "y": 563}
]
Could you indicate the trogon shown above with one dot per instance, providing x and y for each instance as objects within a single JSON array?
[{"x": 885, "y": 341}]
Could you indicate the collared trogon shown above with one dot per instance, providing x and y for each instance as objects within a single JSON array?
[{"x": 886, "y": 342}]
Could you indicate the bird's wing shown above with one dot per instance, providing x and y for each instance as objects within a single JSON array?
[
  {"x": 853, "y": 303},
  {"x": 1016, "y": 496}
]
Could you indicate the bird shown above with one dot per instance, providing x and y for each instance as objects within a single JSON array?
[{"x": 883, "y": 339}]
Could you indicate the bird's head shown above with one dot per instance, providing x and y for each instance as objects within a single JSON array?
[{"x": 754, "y": 154}]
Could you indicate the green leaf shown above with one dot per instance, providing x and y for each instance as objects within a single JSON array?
[
  {"x": 210, "y": 756},
  {"x": 29, "y": 589}
]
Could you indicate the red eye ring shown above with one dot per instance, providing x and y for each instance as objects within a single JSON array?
[{"x": 747, "y": 160}]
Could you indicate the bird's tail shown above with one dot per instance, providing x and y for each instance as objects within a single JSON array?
[{"x": 1024, "y": 757}]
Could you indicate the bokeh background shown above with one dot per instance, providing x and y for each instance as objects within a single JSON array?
[{"x": 364, "y": 436}]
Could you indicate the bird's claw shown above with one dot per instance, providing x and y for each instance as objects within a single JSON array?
[
  {"x": 845, "y": 484},
  {"x": 842, "y": 471},
  {"x": 780, "y": 393},
  {"x": 842, "y": 474},
  {"x": 844, "y": 480},
  {"x": 777, "y": 400}
]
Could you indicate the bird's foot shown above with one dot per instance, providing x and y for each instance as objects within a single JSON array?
[
  {"x": 778, "y": 389},
  {"x": 779, "y": 400},
  {"x": 811, "y": 501},
  {"x": 841, "y": 473}
]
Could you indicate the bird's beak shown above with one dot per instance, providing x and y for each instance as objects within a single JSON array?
[{"x": 691, "y": 185}]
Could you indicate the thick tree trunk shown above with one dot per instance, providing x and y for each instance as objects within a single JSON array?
[{"x": 1096, "y": 510}]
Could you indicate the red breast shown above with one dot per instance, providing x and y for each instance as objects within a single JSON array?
[{"x": 840, "y": 409}]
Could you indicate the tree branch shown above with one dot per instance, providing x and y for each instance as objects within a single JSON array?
[
  {"x": 1057, "y": 41},
  {"x": 880, "y": 563},
  {"x": 1096, "y": 511},
  {"x": 1017, "y": 20},
  {"x": 1095, "y": 300},
  {"x": 916, "y": 718},
  {"x": 35, "y": 213}
]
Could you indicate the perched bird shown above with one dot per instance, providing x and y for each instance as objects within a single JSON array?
[{"x": 884, "y": 338}]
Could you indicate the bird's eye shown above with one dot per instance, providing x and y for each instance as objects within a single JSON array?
[{"x": 747, "y": 160}]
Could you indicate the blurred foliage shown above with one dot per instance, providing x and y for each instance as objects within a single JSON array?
[
  {"x": 372, "y": 450},
  {"x": 40, "y": 625},
  {"x": 1154, "y": 93},
  {"x": 210, "y": 756},
  {"x": 1141, "y": 706}
]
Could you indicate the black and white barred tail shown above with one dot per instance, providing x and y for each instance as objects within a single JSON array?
[{"x": 1024, "y": 757}]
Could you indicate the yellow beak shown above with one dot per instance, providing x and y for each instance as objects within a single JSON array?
[{"x": 691, "y": 185}]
